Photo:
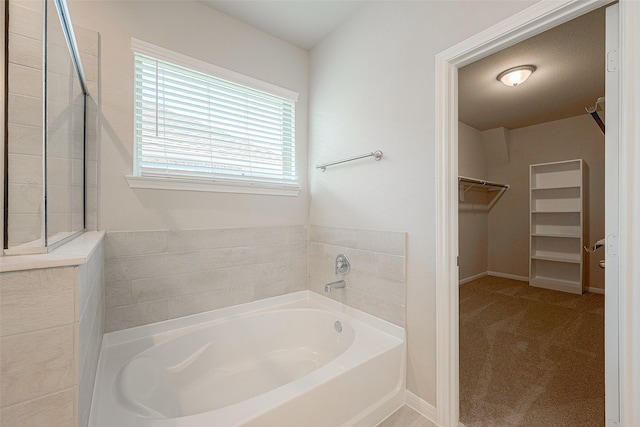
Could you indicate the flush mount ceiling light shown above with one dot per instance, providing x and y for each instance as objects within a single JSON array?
[{"x": 517, "y": 75}]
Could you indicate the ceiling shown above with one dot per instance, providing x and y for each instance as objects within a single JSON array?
[
  {"x": 303, "y": 23},
  {"x": 570, "y": 75},
  {"x": 570, "y": 60}
]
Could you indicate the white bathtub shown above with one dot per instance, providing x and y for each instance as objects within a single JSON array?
[{"x": 277, "y": 362}]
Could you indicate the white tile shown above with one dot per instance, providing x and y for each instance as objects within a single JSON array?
[
  {"x": 25, "y": 198},
  {"x": 133, "y": 243},
  {"x": 388, "y": 242},
  {"x": 25, "y": 81},
  {"x": 88, "y": 367},
  {"x": 147, "y": 266},
  {"x": 58, "y": 199},
  {"x": 118, "y": 318},
  {"x": 333, "y": 236},
  {"x": 198, "y": 303},
  {"x": 177, "y": 285},
  {"x": 279, "y": 287},
  {"x": 92, "y": 176},
  {"x": 191, "y": 240},
  {"x": 25, "y": 169},
  {"x": 83, "y": 288},
  {"x": 87, "y": 322},
  {"x": 58, "y": 57},
  {"x": 393, "y": 291},
  {"x": 92, "y": 221},
  {"x": 92, "y": 200},
  {"x": 25, "y": 139},
  {"x": 24, "y": 21},
  {"x": 117, "y": 294},
  {"x": 36, "y": 364},
  {"x": 24, "y": 228},
  {"x": 64, "y": 89},
  {"x": 260, "y": 272},
  {"x": 228, "y": 257},
  {"x": 55, "y": 409},
  {"x": 64, "y": 144},
  {"x": 58, "y": 223},
  {"x": 25, "y": 51},
  {"x": 25, "y": 110},
  {"x": 36, "y": 299}
]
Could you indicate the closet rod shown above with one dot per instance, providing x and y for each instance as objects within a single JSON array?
[{"x": 482, "y": 182}]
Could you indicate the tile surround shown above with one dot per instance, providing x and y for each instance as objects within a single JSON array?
[
  {"x": 52, "y": 322},
  {"x": 158, "y": 275},
  {"x": 377, "y": 281}
]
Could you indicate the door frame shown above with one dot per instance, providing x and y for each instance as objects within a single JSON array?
[{"x": 531, "y": 21}]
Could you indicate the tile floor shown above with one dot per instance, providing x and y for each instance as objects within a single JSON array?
[{"x": 406, "y": 417}]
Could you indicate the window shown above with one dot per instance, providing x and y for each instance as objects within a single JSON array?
[{"x": 197, "y": 123}]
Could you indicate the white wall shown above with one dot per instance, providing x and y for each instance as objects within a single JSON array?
[
  {"x": 573, "y": 138},
  {"x": 371, "y": 87},
  {"x": 473, "y": 227},
  {"x": 193, "y": 29}
]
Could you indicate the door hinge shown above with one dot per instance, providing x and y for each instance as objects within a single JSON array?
[
  {"x": 458, "y": 261},
  {"x": 612, "y": 245},
  {"x": 612, "y": 60}
]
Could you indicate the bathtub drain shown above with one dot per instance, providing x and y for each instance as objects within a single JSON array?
[{"x": 338, "y": 326}]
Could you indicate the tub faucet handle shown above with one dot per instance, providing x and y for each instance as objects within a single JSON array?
[{"x": 343, "y": 266}]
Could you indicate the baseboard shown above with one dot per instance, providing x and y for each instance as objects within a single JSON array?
[
  {"x": 595, "y": 290},
  {"x": 472, "y": 278},
  {"x": 508, "y": 276},
  {"x": 423, "y": 407}
]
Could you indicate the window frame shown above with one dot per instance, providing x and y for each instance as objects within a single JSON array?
[{"x": 222, "y": 185}]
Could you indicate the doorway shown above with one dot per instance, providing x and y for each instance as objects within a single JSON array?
[
  {"x": 536, "y": 20},
  {"x": 531, "y": 343}
]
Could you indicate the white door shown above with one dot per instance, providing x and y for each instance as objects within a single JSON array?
[{"x": 611, "y": 225}]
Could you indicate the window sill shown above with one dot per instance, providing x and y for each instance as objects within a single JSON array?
[{"x": 155, "y": 183}]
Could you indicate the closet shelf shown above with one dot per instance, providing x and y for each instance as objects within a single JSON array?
[
  {"x": 560, "y": 187},
  {"x": 557, "y": 225},
  {"x": 567, "y": 259},
  {"x": 565, "y": 236},
  {"x": 556, "y": 212}
]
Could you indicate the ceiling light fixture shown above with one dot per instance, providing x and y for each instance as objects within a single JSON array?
[{"x": 517, "y": 75}]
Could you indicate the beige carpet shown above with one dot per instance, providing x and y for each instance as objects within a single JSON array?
[{"x": 530, "y": 356}]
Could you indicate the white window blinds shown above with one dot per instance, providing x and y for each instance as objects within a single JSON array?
[{"x": 192, "y": 125}]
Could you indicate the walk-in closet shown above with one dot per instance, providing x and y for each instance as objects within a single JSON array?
[{"x": 531, "y": 199}]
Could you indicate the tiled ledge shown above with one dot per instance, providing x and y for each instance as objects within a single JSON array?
[{"x": 76, "y": 252}]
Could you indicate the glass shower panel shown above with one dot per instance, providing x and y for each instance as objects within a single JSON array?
[
  {"x": 64, "y": 137},
  {"x": 45, "y": 125}
]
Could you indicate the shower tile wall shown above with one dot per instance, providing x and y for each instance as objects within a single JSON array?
[
  {"x": 24, "y": 125},
  {"x": 377, "y": 281},
  {"x": 51, "y": 327},
  {"x": 158, "y": 275}
]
